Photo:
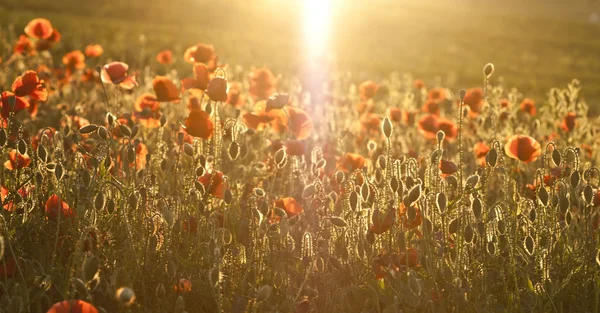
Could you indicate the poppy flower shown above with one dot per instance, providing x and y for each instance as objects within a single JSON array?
[
  {"x": 382, "y": 262},
  {"x": 74, "y": 60},
  {"x": 481, "y": 150},
  {"x": 200, "y": 53},
  {"x": 528, "y": 106},
  {"x": 217, "y": 89},
  {"x": 403, "y": 216},
  {"x": 234, "y": 95},
  {"x": 200, "y": 79},
  {"x": 277, "y": 101},
  {"x": 568, "y": 123},
  {"x": 72, "y": 306},
  {"x": 290, "y": 205},
  {"x": 300, "y": 123},
  {"x": 194, "y": 100},
  {"x": 10, "y": 205},
  {"x": 430, "y": 124},
  {"x": 370, "y": 123},
  {"x": 24, "y": 45},
  {"x": 165, "y": 89},
  {"x": 55, "y": 205},
  {"x": 409, "y": 258},
  {"x": 262, "y": 84},
  {"x": 381, "y": 223},
  {"x": 165, "y": 57},
  {"x": 504, "y": 103},
  {"x": 16, "y": 161},
  {"x": 409, "y": 117},
  {"x": 93, "y": 50},
  {"x": 48, "y": 43},
  {"x": 39, "y": 28},
  {"x": 431, "y": 107},
  {"x": 437, "y": 94},
  {"x": 523, "y": 148},
  {"x": 449, "y": 128},
  {"x": 367, "y": 90},
  {"x": 447, "y": 168},
  {"x": 30, "y": 85},
  {"x": 147, "y": 111},
  {"x": 474, "y": 100},
  {"x": 419, "y": 84},
  {"x": 365, "y": 106},
  {"x": 350, "y": 162},
  {"x": 294, "y": 147},
  {"x": 199, "y": 124},
  {"x": 259, "y": 119},
  {"x": 394, "y": 114},
  {"x": 116, "y": 73},
  {"x": 214, "y": 183},
  {"x": 183, "y": 286}
]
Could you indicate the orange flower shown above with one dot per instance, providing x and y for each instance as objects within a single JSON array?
[
  {"x": 24, "y": 45},
  {"x": 47, "y": 44},
  {"x": 411, "y": 256},
  {"x": 430, "y": 124},
  {"x": 30, "y": 85},
  {"x": 437, "y": 94},
  {"x": 183, "y": 286},
  {"x": 147, "y": 111},
  {"x": 431, "y": 106},
  {"x": 481, "y": 150},
  {"x": 382, "y": 262},
  {"x": 200, "y": 53},
  {"x": 381, "y": 223},
  {"x": 17, "y": 161},
  {"x": 165, "y": 89},
  {"x": 217, "y": 89},
  {"x": 165, "y": 57},
  {"x": 72, "y": 306},
  {"x": 10, "y": 205},
  {"x": 447, "y": 168},
  {"x": 93, "y": 50},
  {"x": 300, "y": 123},
  {"x": 200, "y": 79},
  {"x": 290, "y": 205},
  {"x": 194, "y": 100},
  {"x": 568, "y": 123},
  {"x": 419, "y": 84},
  {"x": 350, "y": 162},
  {"x": 262, "y": 84},
  {"x": 234, "y": 95},
  {"x": 7, "y": 97},
  {"x": 449, "y": 128},
  {"x": 74, "y": 60},
  {"x": 370, "y": 123},
  {"x": 260, "y": 118},
  {"x": 504, "y": 103},
  {"x": 474, "y": 100},
  {"x": 403, "y": 215},
  {"x": 39, "y": 28},
  {"x": 54, "y": 206},
  {"x": 367, "y": 90},
  {"x": 294, "y": 147},
  {"x": 394, "y": 114},
  {"x": 199, "y": 124},
  {"x": 116, "y": 73},
  {"x": 528, "y": 106},
  {"x": 214, "y": 183},
  {"x": 523, "y": 148}
]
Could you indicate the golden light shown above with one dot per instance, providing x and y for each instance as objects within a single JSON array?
[{"x": 317, "y": 24}]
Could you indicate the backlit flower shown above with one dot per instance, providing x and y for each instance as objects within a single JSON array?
[
  {"x": 39, "y": 28},
  {"x": 93, "y": 50},
  {"x": 523, "y": 148},
  {"x": 116, "y": 73},
  {"x": 165, "y": 89}
]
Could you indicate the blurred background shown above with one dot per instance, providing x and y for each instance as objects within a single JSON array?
[{"x": 535, "y": 44}]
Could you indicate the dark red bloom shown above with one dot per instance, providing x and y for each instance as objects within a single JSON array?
[{"x": 55, "y": 205}]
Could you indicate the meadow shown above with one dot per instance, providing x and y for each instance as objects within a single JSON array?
[{"x": 200, "y": 157}]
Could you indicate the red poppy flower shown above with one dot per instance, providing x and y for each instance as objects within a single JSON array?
[
  {"x": 403, "y": 216},
  {"x": 147, "y": 111},
  {"x": 430, "y": 124},
  {"x": 165, "y": 57},
  {"x": 214, "y": 183},
  {"x": 447, "y": 168},
  {"x": 165, "y": 89},
  {"x": 568, "y": 123},
  {"x": 474, "y": 100},
  {"x": 200, "y": 79},
  {"x": 410, "y": 258},
  {"x": 23, "y": 46},
  {"x": 183, "y": 286},
  {"x": 194, "y": 100},
  {"x": 437, "y": 94},
  {"x": 10, "y": 205},
  {"x": 523, "y": 148},
  {"x": 504, "y": 103},
  {"x": 262, "y": 84},
  {"x": 93, "y": 50},
  {"x": 419, "y": 84},
  {"x": 431, "y": 107},
  {"x": 199, "y": 124},
  {"x": 17, "y": 161},
  {"x": 54, "y": 206},
  {"x": 200, "y": 53},
  {"x": 47, "y": 44},
  {"x": 365, "y": 106},
  {"x": 234, "y": 95},
  {"x": 367, "y": 90},
  {"x": 449, "y": 128},
  {"x": 394, "y": 114},
  {"x": 350, "y": 162},
  {"x": 290, "y": 205},
  {"x": 382, "y": 262},
  {"x": 116, "y": 73},
  {"x": 74, "y": 60},
  {"x": 381, "y": 223},
  {"x": 294, "y": 147},
  {"x": 300, "y": 123},
  {"x": 30, "y": 85},
  {"x": 39, "y": 28},
  {"x": 528, "y": 106},
  {"x": 409, "y": 117},
  {"x": 217, "y": 89},
  {"x": 72, "y": 306},
  {"x": 481, "y": 150}
]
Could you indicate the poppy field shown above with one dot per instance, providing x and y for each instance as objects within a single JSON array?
[{"x": 141, "y": 188}]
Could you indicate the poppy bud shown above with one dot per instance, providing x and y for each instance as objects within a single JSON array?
[
  {"x": 217, "y": 89},
  {"x": 387, "y": 128},
  {"x": 488, "y": 70},
  {"x": 462, "y": 93},
  {"x": 125, "y": 295}
]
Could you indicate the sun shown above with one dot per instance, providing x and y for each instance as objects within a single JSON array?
[{"x": 317, "y": 25}]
